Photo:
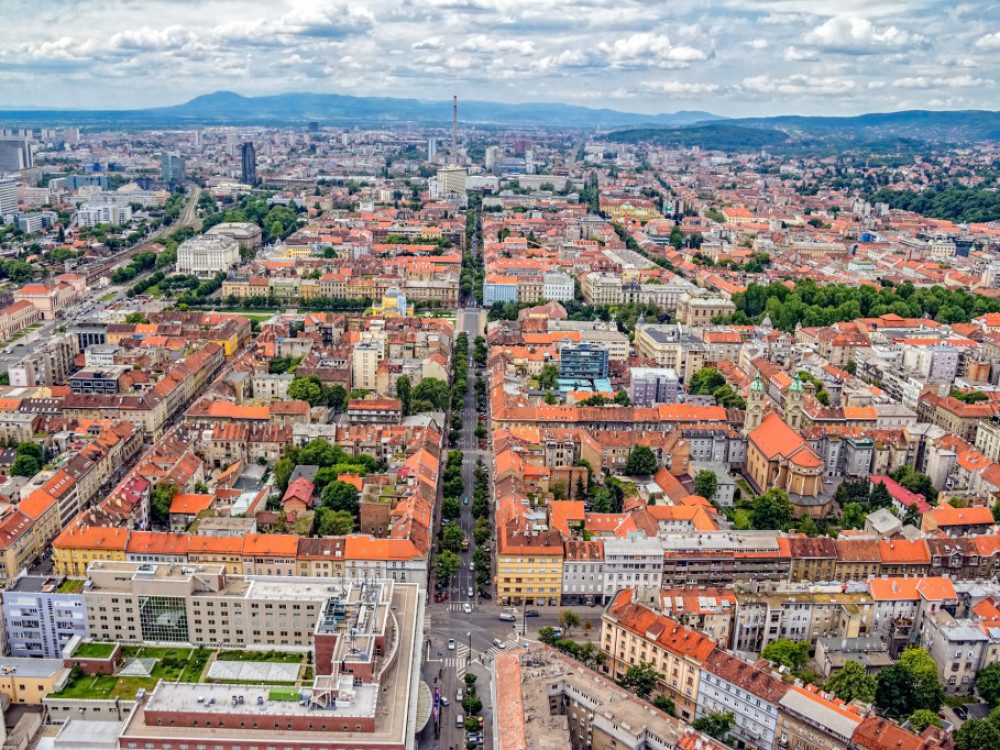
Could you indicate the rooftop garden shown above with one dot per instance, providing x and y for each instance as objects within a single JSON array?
[{"x": 94, "y": 651}]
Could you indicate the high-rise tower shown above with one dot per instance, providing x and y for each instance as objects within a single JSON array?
[
  {"x": 454, "y": 126},
  {"x": 248, "y": 157}
]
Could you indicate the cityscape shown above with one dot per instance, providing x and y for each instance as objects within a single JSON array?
[{"x": 485, "y": 414}]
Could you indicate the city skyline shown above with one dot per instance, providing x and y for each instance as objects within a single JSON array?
[{"x": 733, "y": 58}]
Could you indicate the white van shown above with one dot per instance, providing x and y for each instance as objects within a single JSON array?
[{"x": 459, "y": 721}]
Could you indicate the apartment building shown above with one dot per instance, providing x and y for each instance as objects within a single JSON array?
[
  {"x": 811, "y": 720},
  {"x": 601, "y": 289},
  {"x": 529, "y": 567},
  {"x": 42, "y": 614},
  {"x": 26, "y": 530}
]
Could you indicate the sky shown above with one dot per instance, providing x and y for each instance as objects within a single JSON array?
[{"x": 731, "y": 57}]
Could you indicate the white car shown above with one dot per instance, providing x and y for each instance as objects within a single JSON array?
[
  {"x": 458, "y": 695},
  {"x": 467, "y": 608},
  {"x": 451, "y": 644},
  {"x": 472, "y": 566}
]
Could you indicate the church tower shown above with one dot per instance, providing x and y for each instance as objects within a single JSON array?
[
  {"x": 755, "y": 406},
  {"x": 793, "y": 405}
]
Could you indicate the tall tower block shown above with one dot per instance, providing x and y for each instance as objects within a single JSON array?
[{"x": 454, "y": 125}]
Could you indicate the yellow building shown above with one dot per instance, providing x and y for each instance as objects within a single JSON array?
[
  {"x": 529, "y": 568},
  {"x": 221, "y": 550},
  {"x": 393, "y": 305},
  {"x": 25, "y": 533},
  {"x": 74, "y": 549},
  {"x": 27, "y": 681}
]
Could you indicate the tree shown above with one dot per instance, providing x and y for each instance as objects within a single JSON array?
[
  {"x": 605, "y": 501},
  {"x": 977, "y": 734},
  {"x": 622, "y": 399},
  {"x": 988, "y": 684},
  {"x": 640, "y": 679},
  {"x": 333, "y": 522},
  {"x": 451, "y": 508},
  {"x": 136, "y": 318},
  {"x": 447, "y": 564},
  {"x": 772, "y": 510},
  {"x": 336, "y": 397},
  {"x": 25, "y": 466},
  {"x": 548, "y": 636},
  {"x": 30, "y": 449},
  {"x": 548, "y": 378},
  {"x": 641, "y": 461},
  {"x": 909, "y": 684},
  {"x": 852, "y": 682},
  {"x": 853, "y": 516},
  {"x": 568, "y": 620},
  {"x": 307, "y": 389},
  {"x": 715, "y": 725},
  {"x": 403, "y": 392},
  {"x": 922, "y": 718},
  {"x": 787, "y": 653},
  {"x": 283, "y": 469},
  {"x": 159, "y": 502},
  {"x": 879, "y": 497},
  {"x": 706, "y": 484},
  {"x": 666, "y": 704},
  {"x": 451, "y": 537},
  {"x": 432, "y": 390},
  {"x": 851, "y": 367},
  {"x": 341, "y": 495},
  {"x": 550, "y": 398},
  {"x": 706, "y": 381}
]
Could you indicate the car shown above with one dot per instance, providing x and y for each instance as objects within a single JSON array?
[
  {"x": 445, "y": 701},
  {"x": 485, "y": 594},
  {"x": 531, "y": 613},
  {"x": 472, "y": 565},
  {"x": 458, "y": 695},
  {"x": 451, "y": 644},
  {"x": 467, "y": 608},
  {"x": 465, "y": 501},
  {"x": 482, "y": 417},
  {"x": 485, "y": 548},
  {"x": 507, "y": 617},
  {"x": 961, "y": 713},
  {"x": 476, "y": 738},
  {"x": 440, "y": 597},
  {"x": 499, "y": 644},
  {"x": 471, "y": 592}
]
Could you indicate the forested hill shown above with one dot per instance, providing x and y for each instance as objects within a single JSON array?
[{"x": 956, "y": 203}]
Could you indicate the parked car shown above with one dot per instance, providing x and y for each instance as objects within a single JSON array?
[
  {"x": 445, "y": 701},
  {"x": 961, "y": 713},
  {"x": 441, "y": 597},
  {"x": 459, "y": 695},
  {"x": 472, "y": 566},
  {"x": 451, "y": 644},
  {"x": 531, "y": 613},
  {"x": 507, "y": 617},
  {"x": 485, "y": 594},
  {"x": 476, "y": 738}
]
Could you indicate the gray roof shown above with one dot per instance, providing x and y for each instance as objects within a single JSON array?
[{"x": 816, "y": 711}]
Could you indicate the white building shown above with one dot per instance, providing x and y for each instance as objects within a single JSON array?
[
  {"x": 557, "y": 286},
  {"x": 751, "y": 695},
  {"x": 207, "y": 255},
  {"x": 635, "y": 562},
  {"x": 92, "y": 214},
  {"x": 8, "y": 196}
]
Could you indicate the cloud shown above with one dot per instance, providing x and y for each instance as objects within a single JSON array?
[
  {"x": 680, "y": 88},
  {"x": 794, "y": 54},
  {"x": 646, "y": 49},
  {"x": 859, "y": 35},
  {"x": 758, "y": 44},
  {"x": 990, "y": 41},
  {"x": 799, "y": 85}
]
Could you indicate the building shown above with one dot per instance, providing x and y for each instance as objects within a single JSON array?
[
  {"x": 653, "y": 385},
  {"x": 92, "y": 214},
  {"x": 28, "y": 681},
  {"x": 632, "y": 633},
  {"x": 15, "y": 155},
  {"x": 671, "y": 346},
  {"x": 42, "y": 614},
  {"x": 699, "y": 311},
  {"x": 749, "y": 693},
  {"x": 245, "y": 233},
  {"x": 777, "y": 456},
  {"x": 811, "y": 720},
  {"x": 364, "y": 365},
  {"x": 8, "y": 195},
  {"x": 172, "y": 168},
  {"x": 600, "y": 289},
  {"x": 544, "y": 699},
  {"x": 248, "y": 161},
  {"x": 959, "y": 649},
  {"x": 557, "y": 286},
  {"x": 452, "y": 180},
  {"x": 634, "y": 563},
  {"x": 583, "y": 361},
  {"x": 207, "y": 255},
  {"x": 529, "y": 567}
]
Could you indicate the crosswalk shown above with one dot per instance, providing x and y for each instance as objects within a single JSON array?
[{"x": 457, "y": 606}]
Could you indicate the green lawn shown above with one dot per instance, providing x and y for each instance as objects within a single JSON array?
[
  {"x": 196, "y": 665},
  {"x": 105, "y": 687},
  {"x": 71, "y": 586},
  {"x": 278, "y": 656},
  {"x": 94, "y": 650}
]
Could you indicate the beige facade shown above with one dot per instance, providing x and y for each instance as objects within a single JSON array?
[
  {"x": 700, "y": 311},
  {"x": 600, "y": 289}
]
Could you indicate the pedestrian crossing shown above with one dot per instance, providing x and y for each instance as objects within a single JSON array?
[{"x": 457, "y": 606}]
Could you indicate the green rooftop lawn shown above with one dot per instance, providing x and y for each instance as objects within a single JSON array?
[
  {"x": 94, "y": 651},
  {"x": 71, "y": 586},
  {"x": 283, "y": 657}
]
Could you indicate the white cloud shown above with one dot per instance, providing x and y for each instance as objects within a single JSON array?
[
  {"x": 990, "y": 41},
  {"x": 758, "y": 44},
  {"x": 799, "y": 85},
  {"x": 649, "y": 50},
  {"x": 794, "y": 54},
  {"x": 854, "y": 34},
  {"x": 680, "y": 88}
]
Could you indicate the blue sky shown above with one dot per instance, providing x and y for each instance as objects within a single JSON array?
[{"x": 731, "y": 57}]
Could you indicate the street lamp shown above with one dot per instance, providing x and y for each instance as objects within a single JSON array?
[{"x": 468, "y": 656}]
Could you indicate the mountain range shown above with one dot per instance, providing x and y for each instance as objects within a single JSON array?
[{"x": 228, "y": 108}]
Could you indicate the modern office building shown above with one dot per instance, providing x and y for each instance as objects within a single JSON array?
[
  {"x": 653, "y": 385},
  {"x": 207, "y": 255},
  {"x": 583, "y": 360},
  {"x": 248, "y": 158},
  {"x": 15, "y": 155},
  {"x": 8, "y": 197},
  {"x": 42, "y": 614},
  {"x": 172, "y": 168}
]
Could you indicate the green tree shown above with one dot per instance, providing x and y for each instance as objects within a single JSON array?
[
  {"x": 283, "y": 469},
  {"x": 340, "y": 495},
  {"x": 433, "y": 391},
  {"x": 622, "y": 398},
  {"x": 25, "y": 466},
  {"x": 715, "y": 725},
  {"x": 403, "y": 392},
  {"x": 988, "y": 684},
  {"x": 977, "y": 734},
  {"x": 641, "y": 461},
  {"x": 605, "y": 501},
  {"x": 276, "y": 230},
  {"x": 879, "y": 497},
  {"x": 706, "y": 381},
  {"x": 706, "y": 484},
  {"x": 548, "y": 636},
  {"x": 333, "y": 522},
  {"x": 568, "y": 620},
  {"x": 853, "y": 516},
  {"x": 666, "y": 704},
  {"x": 922, "y": 718},
  {"x": 307, "y": 389},
  {"x": 772, "y": 510},
  {"x": 159, "y": 502},
  {"x": 30, "y": 449},
  {"x": 136, "y": 318},
  {"x": 791, "y": 654},
  {"x": 909, "y": 684},
  {"x": 451, "y": 508},
  {"x": 640, "y": 679},
  {"x": 447, "y": 564},
  {"x": 550, "y": 398},
  {"x": 451, "y": 537},
  {"x": 548, "y": 378},
  {"x": 852, "y": 682}
]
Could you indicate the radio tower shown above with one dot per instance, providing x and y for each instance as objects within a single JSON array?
[{"x": 454, "y": 126}]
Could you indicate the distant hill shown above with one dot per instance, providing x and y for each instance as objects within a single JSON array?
[
  {"x": 952, "y": 126},
  {"x": 721, "y": 136},
  {"x": 226, "y": 107}
]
